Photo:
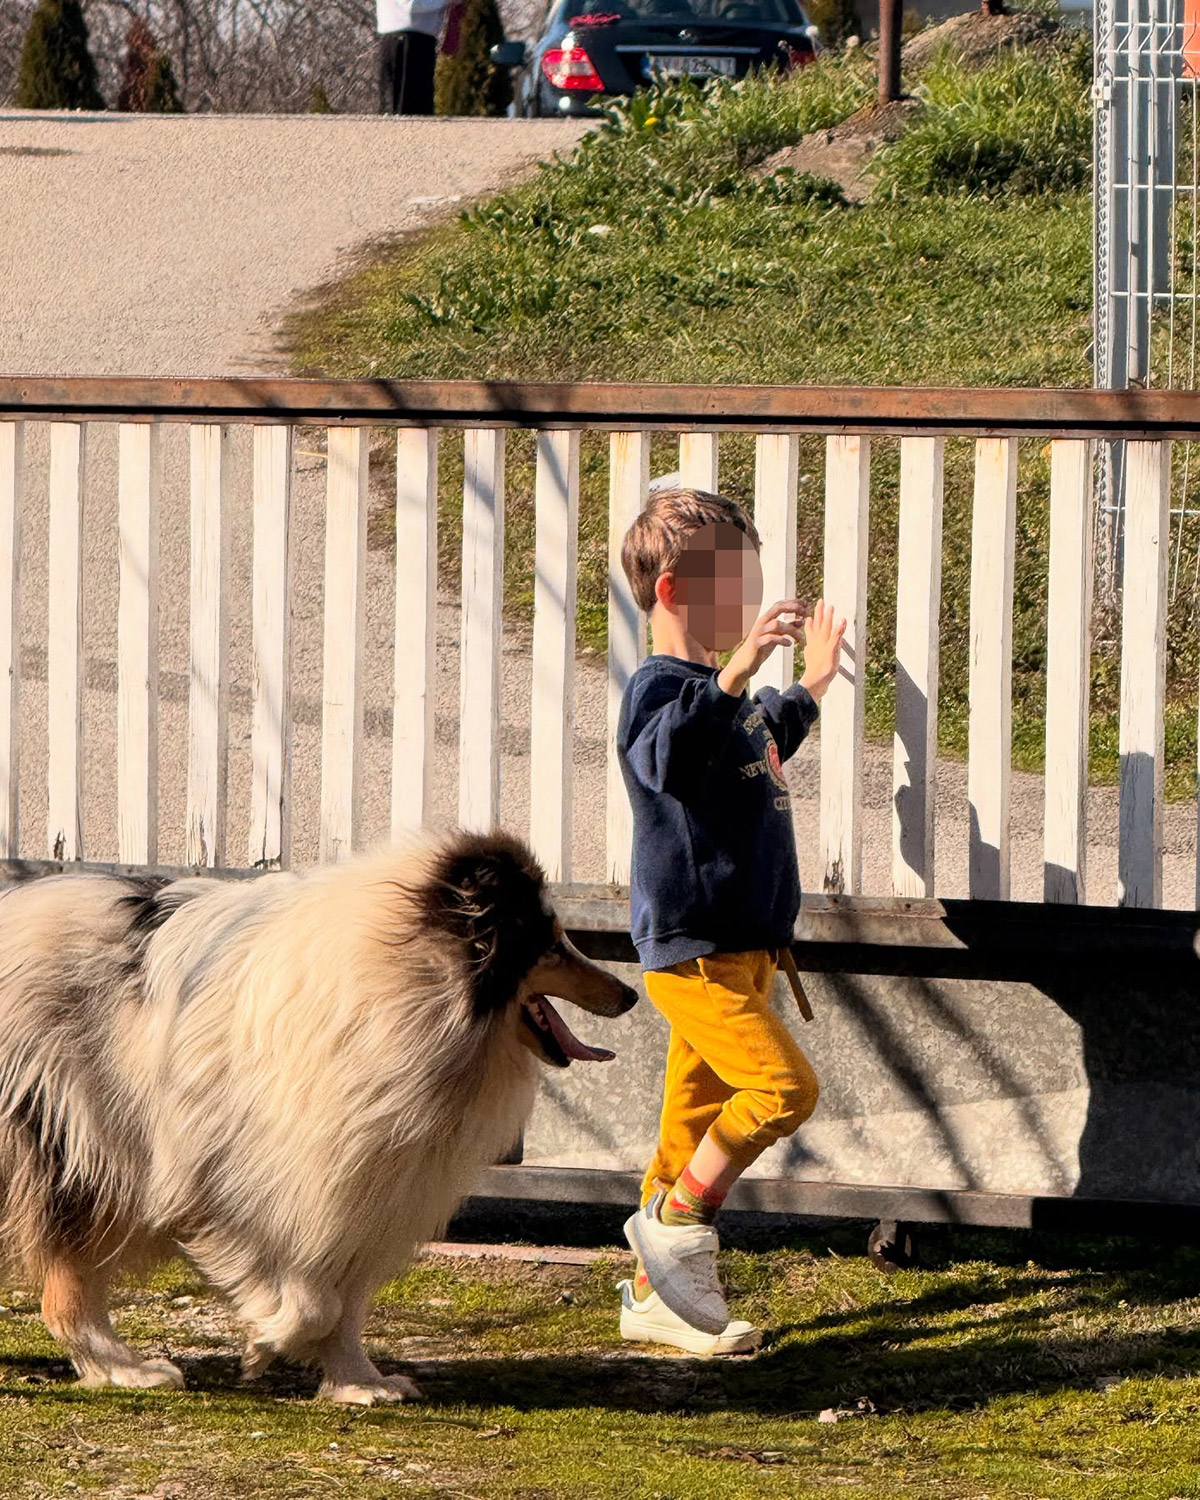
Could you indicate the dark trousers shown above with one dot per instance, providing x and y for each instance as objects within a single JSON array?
[{"x": 406, "y": 63}]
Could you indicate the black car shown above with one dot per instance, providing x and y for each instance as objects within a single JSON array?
[{"x": 592, "y": 49}]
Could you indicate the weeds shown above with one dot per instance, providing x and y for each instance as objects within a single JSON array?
[{"x": 1021, "y": 126}]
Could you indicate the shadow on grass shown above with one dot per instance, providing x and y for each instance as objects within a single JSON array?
[{"x": 901, "y": 1355}]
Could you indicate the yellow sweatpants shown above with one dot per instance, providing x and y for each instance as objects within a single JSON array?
[{"x": 734, "y": 1070}]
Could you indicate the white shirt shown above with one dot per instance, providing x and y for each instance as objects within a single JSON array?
[{"x": 427, "y": 16}]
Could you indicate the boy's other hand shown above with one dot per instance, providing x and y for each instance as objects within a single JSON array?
[
  {"x": 822, "y": 648},
  {"x": 770, "y": 630}
]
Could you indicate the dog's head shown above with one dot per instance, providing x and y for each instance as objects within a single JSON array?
[{"x": 488, "y": 893}]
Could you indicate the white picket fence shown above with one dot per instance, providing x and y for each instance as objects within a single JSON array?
[{"x": 846, "y": 579}]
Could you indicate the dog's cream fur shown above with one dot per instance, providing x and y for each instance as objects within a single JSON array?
[{"x": 293, "y": 1079}]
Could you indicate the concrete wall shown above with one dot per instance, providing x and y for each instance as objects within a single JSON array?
[{"x": 1084, "y": 1081}]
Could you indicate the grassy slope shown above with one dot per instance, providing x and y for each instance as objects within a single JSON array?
[
  {"x": 658, "y": 253},
  {"x": 992, "y": 1375}
]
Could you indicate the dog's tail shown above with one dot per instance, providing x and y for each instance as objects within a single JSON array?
[{"x": 72, "y": 1147}]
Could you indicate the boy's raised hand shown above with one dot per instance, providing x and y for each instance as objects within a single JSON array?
[
  {"x": 770, "y": 630},
  {"x": 822, "y": 648}
]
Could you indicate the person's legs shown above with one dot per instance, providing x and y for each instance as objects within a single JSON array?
[
  {"x": 772, "y": 1087},
  {"x": 418, "y": 59},
  {"x": 693, "y": 1096},
  {"x": 389, "y": 64},
  {"x": 721, "y": 1008}
]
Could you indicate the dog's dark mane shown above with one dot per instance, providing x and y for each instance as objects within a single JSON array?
[{"x": 484, "y": 887}]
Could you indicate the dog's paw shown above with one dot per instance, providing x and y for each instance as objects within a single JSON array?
[
  {"x": 256, "y": 1359},
  {"x": 369, "y": 1392},
  {"x": 148, "y": 1374}
]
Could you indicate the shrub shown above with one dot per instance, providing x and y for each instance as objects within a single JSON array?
[
  {"x": 467, "y": 82},
  {"x": 836, "y": 20},
  {"x": 162, "y": 92},
  {"x": 148, "y": 82},
  {"x": 1023, "y": 124},
  {"x": 57, "y": 70}
]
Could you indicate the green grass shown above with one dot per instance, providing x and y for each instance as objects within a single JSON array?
[
  {"x": 660, "y": 252},
  {"x": 1010, "y": 1368}
]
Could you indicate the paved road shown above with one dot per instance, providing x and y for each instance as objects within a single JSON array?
[
  {"x": 169, "y": 247},
  {"x": 143, "y": 245}
]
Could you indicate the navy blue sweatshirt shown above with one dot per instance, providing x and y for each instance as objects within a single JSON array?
[{"x": 714, "y": 854}]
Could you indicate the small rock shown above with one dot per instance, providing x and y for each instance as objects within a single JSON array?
[
  {"x": 333, "y": 1448},
  {"x": 258, "y": 1434},
  {"x": 830, "y": 1414},
  {"x": 182, "y": 1301},
  {"x": 567, "y": 1297}
]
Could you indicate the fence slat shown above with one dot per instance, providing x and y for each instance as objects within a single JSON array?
[
  {"x": 482, "y": 614},
  {"x": 208, "y": 691},
  {"x": 345, "y": 614},
  {"x": 64, "y": 667},
  {"x": 1143, "y": 672},
  {"x": 1068, "y": 671},
  {"x": 698, "y": 461},
  {"x": 776, "y": 471},
  {"x": 271, "y": 726},
  {"x": 847, "y": 533},
  {"x": 989, "y": 727},
  {"x": 553, "y": 720},
  {"x": 414, "y": 681},
  {"x": 138, "y": 486},
  {"x": 12, "y": 491},
  {"x": 918, "y": 604},
  {"x": 628, "y": 483}
]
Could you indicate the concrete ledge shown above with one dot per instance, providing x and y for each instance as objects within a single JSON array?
[{"x": 836, "y": 1200}]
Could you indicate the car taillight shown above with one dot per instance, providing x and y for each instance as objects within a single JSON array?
[{"x": 570, "y": 68}]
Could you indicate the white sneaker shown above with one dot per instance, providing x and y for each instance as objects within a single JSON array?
[
  {"x": 652, "y": 1322},
  {"x": 681, "y": 1262}
]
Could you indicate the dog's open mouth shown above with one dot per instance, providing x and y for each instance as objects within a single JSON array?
[{"x": 555, "y": 1038}]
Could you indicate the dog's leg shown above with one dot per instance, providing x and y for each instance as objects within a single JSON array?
[
  {"x": 301, "y": 1317},
  {"x": 75, "y": 1310},
  {"x": 349, "y": 1376}
]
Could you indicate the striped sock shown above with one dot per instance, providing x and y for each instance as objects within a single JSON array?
[{"x": 690, "y": 1202}]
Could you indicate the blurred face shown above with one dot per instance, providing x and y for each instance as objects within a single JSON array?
[{"x": 719, "y": 586}]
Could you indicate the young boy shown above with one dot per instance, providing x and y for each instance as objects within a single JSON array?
[{"x": 715, "y": 889}]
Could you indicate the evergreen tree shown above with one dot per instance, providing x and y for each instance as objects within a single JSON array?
[
  {"x": 148, "y": 83},
  {"x": 162, "y": 92},
  {"x": 57, "y": 70},
  {"x": 467, "y": 82}
]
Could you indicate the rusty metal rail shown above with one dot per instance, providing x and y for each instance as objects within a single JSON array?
[{"x": 648, "y": 407}]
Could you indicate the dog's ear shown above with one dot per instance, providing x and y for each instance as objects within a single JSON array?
[{"x": 487, "y": 894}]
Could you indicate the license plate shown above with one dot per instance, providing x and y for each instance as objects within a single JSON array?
[{"x": 680, "y": 67}]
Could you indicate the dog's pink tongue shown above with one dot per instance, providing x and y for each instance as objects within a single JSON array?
[{"x": 569, "y": 1042}]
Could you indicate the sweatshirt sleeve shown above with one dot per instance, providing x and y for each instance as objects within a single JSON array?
[
  {"x": 670, "y": 739},
  {"x": 789, "y": 716}
]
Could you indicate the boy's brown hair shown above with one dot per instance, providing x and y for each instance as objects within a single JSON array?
[{"x": 654, "y": 543}]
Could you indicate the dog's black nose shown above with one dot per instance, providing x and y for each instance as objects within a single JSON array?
[{"x": 629, "y": 998}]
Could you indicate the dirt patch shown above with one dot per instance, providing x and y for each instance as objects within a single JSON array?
[
  {"x": 844, "y": 153},
  {"x": 975, "y": 39}
]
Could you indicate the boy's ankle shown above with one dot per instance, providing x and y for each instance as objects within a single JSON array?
[{"x": 688, "y": 1202}]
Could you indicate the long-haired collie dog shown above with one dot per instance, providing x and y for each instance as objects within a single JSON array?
[{"x": 294, "y": 1080}]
